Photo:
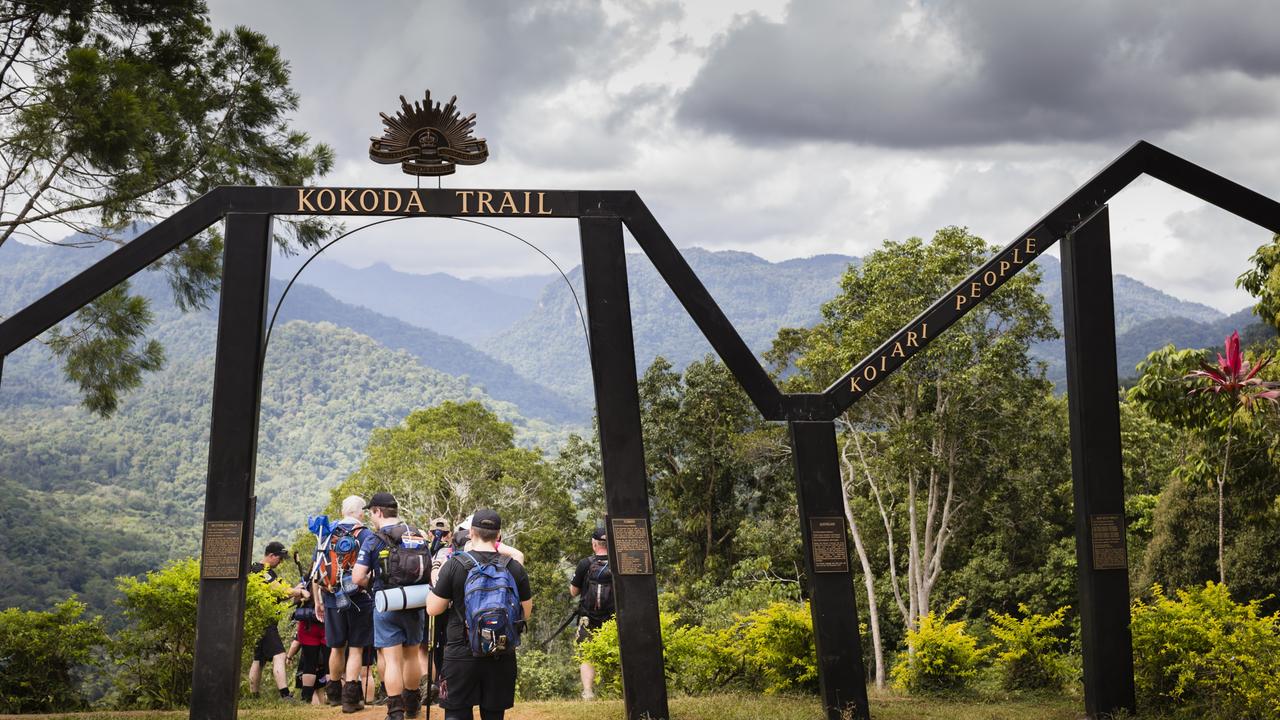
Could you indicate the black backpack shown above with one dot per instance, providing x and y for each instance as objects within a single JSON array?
[
  {"x": 597, "y": 594},
  {"x": 407, "y": 558}
]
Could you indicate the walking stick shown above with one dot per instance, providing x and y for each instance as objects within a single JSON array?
[{"x": 431, "y": 655}]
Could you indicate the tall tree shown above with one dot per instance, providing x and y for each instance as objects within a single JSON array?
[
  {"x": 919, "y": 450},
  {"x": 117, "y": 112},
  {"x": 1262, "y": 281}
]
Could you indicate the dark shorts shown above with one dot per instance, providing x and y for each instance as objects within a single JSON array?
[
  {"x": 313, "y": 660},
  {"x": 466, "y": 682},
  {"x": 269, "y": 645},
  {"x": 587, "y": 626},
  {"x": 352, "y": 625}
]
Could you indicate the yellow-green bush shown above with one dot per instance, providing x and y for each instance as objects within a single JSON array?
[
  {"x": 1205, "y": 656},
  {"x": 41, "y": 654},
  {"x": 155, "y": 655},
  {"x": 943, "y": 657},
  {"x": 1030, "y": 656},
  {"x": 776, "y": 645},
  {"x": 695, "y": 660}
]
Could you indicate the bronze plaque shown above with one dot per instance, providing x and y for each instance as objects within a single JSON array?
[
  {"x": 1106, "y": 537},
  {"x": 630, "y": 540},
  {"x": 220, "y": 556},
  {"x": 829, "y": 545}
]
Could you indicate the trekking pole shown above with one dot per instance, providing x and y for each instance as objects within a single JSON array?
[
  {"x": 431, "y": 655},
  {"x": 572, "y": 616}
]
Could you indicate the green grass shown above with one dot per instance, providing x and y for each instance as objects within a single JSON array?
[{"x": 717, "y": 707}]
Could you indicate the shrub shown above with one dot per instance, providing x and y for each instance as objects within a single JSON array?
[
  {"x": 941, "y": 658},
  {"x": 1204, "y": 655},
  {"x": 1031, "y": 655},
  {"x": 546, "y": 676},
  {"x": 41, "y": 654},
  {"x": 776, "y": 643},
  {"x": 695, "y": 660},
  {"x": 155, "y": 655}
]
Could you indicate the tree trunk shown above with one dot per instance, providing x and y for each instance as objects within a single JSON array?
[
  {"x": 1222, "y": 481},
  {"x": 868, "y": 576}
]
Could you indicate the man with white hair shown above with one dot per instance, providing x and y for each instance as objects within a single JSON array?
[{"x": 348, "y": 620}]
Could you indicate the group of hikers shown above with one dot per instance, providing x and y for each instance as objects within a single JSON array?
[{"x": 374, "y": 581}]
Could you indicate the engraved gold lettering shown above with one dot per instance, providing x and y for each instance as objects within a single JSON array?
[
  {"x": 387, "y": 196},
  {"x": 853, "y": 385},
  {"x": 373, "y": 200},
  {"x": 897, "y": 347},
  {"x": 507, "y": 201},
  {"x": 924, "y": 331},
  {"x": 911, "y": 339},
  {"x": 1004, "y": 267},
  {"x": 883, "y": 359},
  {"x": 465, "y": 195},
  {"x": 1015, "y": 259},
  {"x": 542, "y": 204},
  {"x": 320, "y": 200},
  {"x": 345, "y": 197},
  {"x": 484, "y": 199},
  {"x": 960, "y": 300},
  {"x": 869, "y": 373},
  {"x": 414, "y": 201},
  {"x": 989, "y": 278},
  {"x": 975, "y": 289},
  {"x": 527, "y": 196},
  {"x": 304, "y": 199},
  {"x": 1031, "y": 246}
]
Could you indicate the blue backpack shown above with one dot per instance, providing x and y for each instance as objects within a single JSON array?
[{"x": 492, "y": 607}]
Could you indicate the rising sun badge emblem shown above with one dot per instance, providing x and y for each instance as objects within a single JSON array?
[{"x": 428, "y": 139}]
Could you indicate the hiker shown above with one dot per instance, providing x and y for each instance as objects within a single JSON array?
[
  {"x": 308, "y": 645},
  {"x": 491, "y": 601},
  {"x": 270, "y": 647},
  {"x": 387, "y": 557},
  {"x": 593, "y": 584},
  {"x": 348, "y": 626},
  {"x": 432, "y": 650}
]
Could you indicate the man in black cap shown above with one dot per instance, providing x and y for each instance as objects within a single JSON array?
[
  {"x": 270, "y": 648},
  {"x": 467, "y": 681},
  {"x": 593, "y": 584},
  {"x": 396, "y": 633}
]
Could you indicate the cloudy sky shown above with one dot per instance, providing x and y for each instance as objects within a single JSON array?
[{"x": 788, "y": 129}]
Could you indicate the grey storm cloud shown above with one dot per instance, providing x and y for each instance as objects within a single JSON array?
[{"x": 984, "y": 72}]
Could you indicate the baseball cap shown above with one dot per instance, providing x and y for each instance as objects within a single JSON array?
[
  {"x": 275, "y": 547},
  {"x": 599, "y": 534},
  {"x": 440, "y": 523},
  {"x": 487, "y": 519},
  {"x": 382, "y": 499}
]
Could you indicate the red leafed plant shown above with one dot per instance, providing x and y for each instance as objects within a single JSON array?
[{"x": 1237, "y": 379}]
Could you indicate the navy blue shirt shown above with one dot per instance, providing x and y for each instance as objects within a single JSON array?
[{"x": 370, "y": 554}]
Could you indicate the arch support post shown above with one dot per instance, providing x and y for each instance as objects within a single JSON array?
[
  {"x": 842, "y": 676},
  {"x": 626, "y": 483},
  {"x": 1097, "y": 473},
  {"x": 227, "y": 542}
]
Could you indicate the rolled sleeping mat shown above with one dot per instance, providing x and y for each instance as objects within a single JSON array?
[{"x": 401, "y": 598}]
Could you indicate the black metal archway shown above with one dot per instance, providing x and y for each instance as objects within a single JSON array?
[{"x": 1080, "y": 222}]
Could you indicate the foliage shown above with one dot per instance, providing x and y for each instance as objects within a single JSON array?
[
  {"x": 545, "y": 676},
  {"x": 154, "y": 656},
  {"x": 115, "y": 112},
  {"x": 42, "y": 654},
  {"x": 695, "y": 661},
  {"x": 1203, "y": 655},
  {"x": 776, "y": 645},
  {"x": 945, "y": 657},
  {"x": 1031, "y": 649},
  {"x": 1262, "y": 281}
]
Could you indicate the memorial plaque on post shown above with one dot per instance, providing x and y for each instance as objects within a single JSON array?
[
  {"x": 220, "y": 553},
  {"x": 630, "y": 540},
  {"x": 1106, "y": 536},
  {"x": 829, "y": 545}
]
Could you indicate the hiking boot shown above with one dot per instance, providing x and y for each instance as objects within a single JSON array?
[
  {"x": 412, "y": 702},
  {"x": 352, "y": 697},
  {"x": 333, "y": 693},
  {"x": 395, "y": 707}
]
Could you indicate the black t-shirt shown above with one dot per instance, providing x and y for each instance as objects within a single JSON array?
[
  {"x": 452, "y": 585},
  {"x": 584, "y": 566}
]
